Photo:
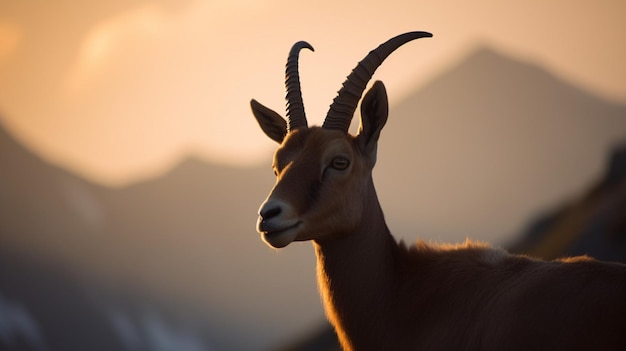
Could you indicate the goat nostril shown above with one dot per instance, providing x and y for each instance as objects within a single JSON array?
[{"x": 267, "y": 213}]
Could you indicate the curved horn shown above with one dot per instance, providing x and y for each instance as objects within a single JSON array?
[
  {"x": 343, "y": 107},
  {"x": 295, "y": 107}
]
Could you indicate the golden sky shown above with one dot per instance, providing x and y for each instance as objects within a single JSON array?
[{"x": 118, "y": 90}]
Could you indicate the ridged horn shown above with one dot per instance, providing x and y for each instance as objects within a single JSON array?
[
  {"x": 295, "y": 107},
  {"x": 343, "y": 106}
]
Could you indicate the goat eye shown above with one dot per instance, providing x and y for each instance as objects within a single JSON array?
[{"x": 340, "y": 163}]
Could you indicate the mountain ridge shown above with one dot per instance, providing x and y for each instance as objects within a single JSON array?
[
  {"x": 486, "y": 121},
  {"x": 509, "y": 63}
]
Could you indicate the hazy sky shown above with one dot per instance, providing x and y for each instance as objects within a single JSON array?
[{"x": 117, "y": 89}]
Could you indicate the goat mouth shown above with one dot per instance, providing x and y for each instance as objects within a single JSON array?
[{"x": 282, "y": 237}]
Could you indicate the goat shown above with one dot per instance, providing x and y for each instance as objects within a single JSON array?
[{"x": 382, "y": 295}]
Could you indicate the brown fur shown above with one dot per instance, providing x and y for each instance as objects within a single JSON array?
[
  {"x": 381, "y": 295},
  {"x": 468, "y": 297}
]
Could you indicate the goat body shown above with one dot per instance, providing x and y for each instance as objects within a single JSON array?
[{"x": 379, "y": 294}]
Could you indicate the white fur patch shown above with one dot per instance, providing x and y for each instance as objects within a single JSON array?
[{"x": 493, "y": 256}]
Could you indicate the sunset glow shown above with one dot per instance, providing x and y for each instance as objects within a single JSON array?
[
  {"x": 132, "y": 162},
  {"x": 9, "y": 39},
  {"x": 128, "y": 90}
]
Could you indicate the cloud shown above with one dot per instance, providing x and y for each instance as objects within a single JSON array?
[
  {"x": 149, "y": 84},
  {"x": 120, "y": 87},
  {"x": 10, "y": 37},
  {"x": 111, "y": 38}
]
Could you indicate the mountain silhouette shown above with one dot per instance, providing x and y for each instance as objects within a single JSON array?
[
  {"x": 592, "y": 224},
  {"x": 477, "y": 152},
  {"x": 483, "y": 147},
  {"x": 188, "y": 236}
]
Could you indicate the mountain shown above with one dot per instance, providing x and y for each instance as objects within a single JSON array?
[
  {"x": 592, "y": 224},
  {"x": 186, "y": 237},
  {"x": 477, "y": 152},
  {"x": 489, "y": 143},
  {"x": 36, "y": 206},
  {"x": 42, "y": 307}
]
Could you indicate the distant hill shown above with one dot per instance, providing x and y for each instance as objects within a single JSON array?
[
  {"x": 477, "y": 152},
  {"x": 187, "y": 236}
]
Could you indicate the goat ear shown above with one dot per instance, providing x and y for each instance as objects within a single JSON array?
[
  {"x": 374, "y": 112},
  {"x": 271, "y": 122}
]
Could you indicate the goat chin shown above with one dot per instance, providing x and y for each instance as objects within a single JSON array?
[{"x": 281, "y": 238}]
